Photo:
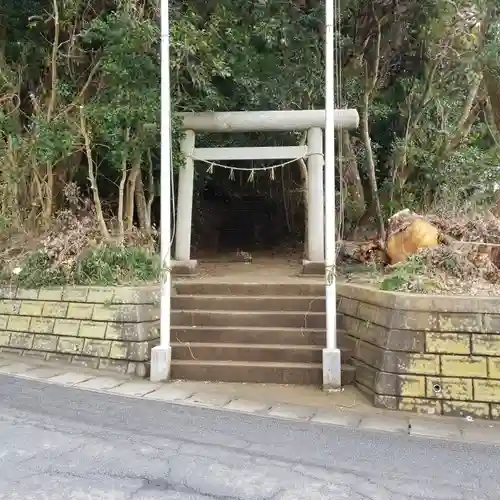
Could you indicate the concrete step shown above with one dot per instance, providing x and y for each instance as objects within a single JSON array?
[
  {"x": 248, "y": 303},
  {"x": 204, "y": 351},
  {"x": 255, "y": 372},
  {"x": 348, "y": 374},
  {"x": 274, "y": 319},
  {"x": 249, "y": 335},
  {"x": 253, "y": 289},
  {"x": 347, "y": 342}
]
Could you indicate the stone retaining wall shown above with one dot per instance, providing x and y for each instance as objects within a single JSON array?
[
  {"x": 112, "y": 328},
  {"x": 431, "y": 354}
]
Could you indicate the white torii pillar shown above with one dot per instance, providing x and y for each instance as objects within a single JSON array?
[
  {"x": 315, "y": 244},
  {"x": 185, "y": 206}
]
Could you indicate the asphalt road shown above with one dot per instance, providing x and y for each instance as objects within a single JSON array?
[{"x": 63, "y": 443}]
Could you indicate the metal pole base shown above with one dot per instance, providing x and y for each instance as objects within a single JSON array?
[
  {"x": 332, "y": 365},
  {"x": 161, "y": 362}
]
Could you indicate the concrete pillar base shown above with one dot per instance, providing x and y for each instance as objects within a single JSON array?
[
  {"x": 332, "y": 370},
  {"x": 184, "y": 267},
  {"x": 313, "y": 267},
  {"x": 161, "y": 362}
]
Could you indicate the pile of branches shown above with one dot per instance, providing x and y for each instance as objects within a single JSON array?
[
  {"x": 483, "y": 228},
  {"x": 466, "y": 268},
  {"x": 467, "y": 258},
  {"x": 476, "y": 236},
  {"x": 72, "y": 235}
]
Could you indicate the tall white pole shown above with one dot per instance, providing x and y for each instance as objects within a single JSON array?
[
  {"x": 331, "y": 355},
  {"x": 161, "y": 355}
]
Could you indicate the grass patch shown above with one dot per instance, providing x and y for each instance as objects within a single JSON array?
[
  {"x": 409, "y": 276},
  {"x": 116, "y": 265},
  {"x": 97, "y": 266}
]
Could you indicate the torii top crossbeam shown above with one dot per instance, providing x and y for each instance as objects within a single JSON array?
[{"x": 266, "y": 121}]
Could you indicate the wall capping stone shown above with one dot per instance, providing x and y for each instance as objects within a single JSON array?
[
  {"x": 143, "y": 294},
  {"x": 419, "y": 302}
]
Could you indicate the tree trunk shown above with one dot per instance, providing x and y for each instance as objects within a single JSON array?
[
  {"x": 92, "y": 179},
  {"x": 49, "y": 194},
  {"x": 355, "y": 204},
  {"x": 121, "y": 191},
  {"x": 372, "y": 176},
  {"x": 135, "y": 170},
  {"x": 492, "y": 84},
  {"x": 371, "y": 80},
  {"x": 151, "y": 193},
  {"x": 141, "y": 205}
]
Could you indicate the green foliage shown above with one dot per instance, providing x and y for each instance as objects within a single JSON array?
[
  {"x": 38, "y": 270},
  {"x": 239, "y": 55},
  {"x": 4, "y": 223},
  {"x": 233, "y": 57},
  {"x": 100, "y": 266},
  {"x": 56, "y": 140},
  {"x": 407, "y": 277},
  {"x": 113, "y": 265},
  {"x": 128, "y": 58}
]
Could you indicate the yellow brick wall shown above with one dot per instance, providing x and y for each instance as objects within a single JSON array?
[
  {"x": 433, "y": 354},
  {"x": 112, "y": 327},
  {"x": 467, "y": 384}
]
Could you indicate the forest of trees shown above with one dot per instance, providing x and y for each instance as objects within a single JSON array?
[{"x": 80, "y": 95}]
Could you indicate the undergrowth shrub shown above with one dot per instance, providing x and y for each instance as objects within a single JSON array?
[
  {"x": 98, "y": 266},
  {"x": 409, "y": 276},
  {"x": 38, "y": 270},
  {"x": 114, "y": 265}
]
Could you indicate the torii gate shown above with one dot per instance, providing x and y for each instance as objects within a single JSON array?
[
  {"x": 321, "y": 195},
  {"x": 312, "y": 121}
]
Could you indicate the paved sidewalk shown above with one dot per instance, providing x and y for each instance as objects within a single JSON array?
[{"x": 347, "y": 408}]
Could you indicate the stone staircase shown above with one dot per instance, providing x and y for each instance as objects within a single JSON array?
[{"x": 260, "y": 333}]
